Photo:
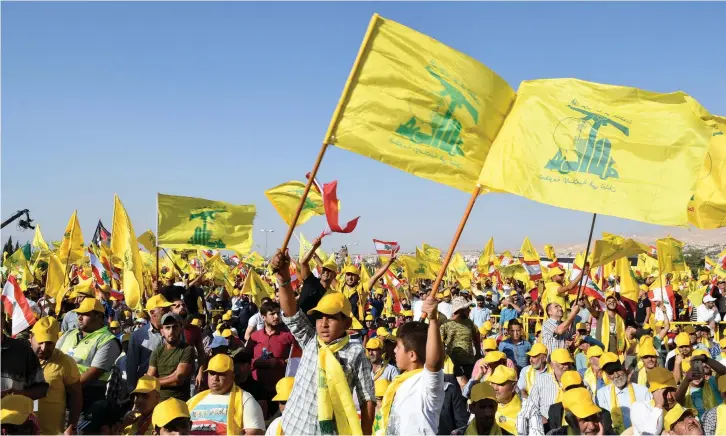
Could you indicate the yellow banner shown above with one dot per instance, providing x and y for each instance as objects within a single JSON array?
[
  {"x": 286, "y": 197},
  {"x": 38, "y": 241},
  {"x": 420, "y": 106},
  {"x": 707, "y": 208},
  {"x": 613, "y": 247},
  {"x": 613, "y": 150},
  {"x": 191, "y": 223}
]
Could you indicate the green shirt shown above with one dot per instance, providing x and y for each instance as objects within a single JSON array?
[
  {"x": 166, "y": 361},
  {"x": 458, "y": 337}
]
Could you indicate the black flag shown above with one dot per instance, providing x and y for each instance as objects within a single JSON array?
[{"x": 101, "y": 235}]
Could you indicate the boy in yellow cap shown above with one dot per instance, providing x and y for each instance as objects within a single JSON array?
[
  {"x": 224, "y": 408},
  {"x": 61, "y": 374},
  {"x": 314, "y": 407},
  {"x": 171, "y": 417},
  {"x": 115, "y": 328},
  {"x": 144, "y": 399},
  {"x": 355, "y": 291},
  {"x": 283, "y": 389}
]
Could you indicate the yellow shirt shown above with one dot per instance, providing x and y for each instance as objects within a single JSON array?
[
  {"x": 550, "y": 295},
  {"x": 59, "y": 371}
]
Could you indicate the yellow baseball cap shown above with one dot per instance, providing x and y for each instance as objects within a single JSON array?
[
  {"x": 15, "y": 409},
  {"x": 407, "y": 313},
  {"x": 220, "y": 363},
  {"x": 283, "y": 389},
  {"x": 331, "y": 265},
  {"x": 146, "y": 384},
  {"x": 226, "y": 333},
  {"x": 333, "y": 303},
  {"x": 382, "y": 332},
  {"x": 227, "y": 317},
  {"x": 594, "y": 351},
  {"x": 690, "y": 329},
  {"x": 113, "y": 325},
  {"x": 675, "y": 414},
  {"x": 682, "y": 339},
  {"x": 482, "y": 391},
  {"x": 722, "y": 384},
  {"x": 447, "y": 293},
  {"x": 556, "y": 271},
  {"x": 169, "y": 410},
  {"x": 156, "y": 302},
  {"x": 608, "y": 358},
  {"x": 89, "y": 305},
  {"x": 581, "y": 326},
  {"x": 374, "y": 344},
  {"x": 537, "y": 349},
  {"x": 646, "y": 350},
  {"x": 701, "y": 353},
  {"x": 486, "y": 327},
  {"x": 489, "y": 344},
  {"x": 197, "y": 322},
  {"x": 502, "y": 374},
  {"x": 660, "y": 378},
  {"x": 570, "y": 378},
  {"x": 561, "y": 356},
  {"x": 494, "y": 356},
  {"x": 369, "y": 318},
  {"x": 381, "y": 386},
  {"x": 46, "y": 330},
  {"x": 351, "y": 269},
  {"x": 579, "y": 402},
  {"x": 125, "y": 337}
]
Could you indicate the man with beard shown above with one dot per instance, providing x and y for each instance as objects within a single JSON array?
[
  {"x": 61, "y": 374},
  {"x": 381, "y": 368},
  {"x": 699, "y": 388},
  {"x": 647, "y": 418},
  {"x": 145, "y": 398},
  {"x": 270, "y": 348},
  {"x": 192, "y": 333},
  {"x": 682, "y": 352},
  {"x": 537, "y": 365},
  {"x": 610, "y": 326},
  {"x": 682, "y": 421},
  {"x": 173, "y": 361},
  {"x": 649, "y": 355},
  {"x": 621, "y": 394},
  {"x": 546, "y": 388},
  {"x": 146, "y": 339}
]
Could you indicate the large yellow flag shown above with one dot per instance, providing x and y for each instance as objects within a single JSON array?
[
  {"x": 148, "y": 241},
  {"x": 613, "y": 247},
  {"x": 628, "y": 285},
  {"x": 429, "y": 253},
  {"x": 415, "y": 268},
  {"x": 191, "y": 223},
  {"x": 598, "y": 148},
  {"x": 71, "y": 248},
  {"x": 286, "y": 197},
  {"x": 707, "y": 208},
  {"x": 125, "y": 249},
  {"x": 38, "y": 241},
  {"x": 670, "y": 255},
  {"x": 55, "y": 282},
  {"x": 420, "y": 106}
]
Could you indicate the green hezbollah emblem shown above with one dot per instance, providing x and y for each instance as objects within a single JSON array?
[
  {"x": 592, "y": 154},
  {"x": 202, "y": 235},
  {"x": 309, "y": 204},
  {"x": 445, "y": 129},
  {"x": 421, "y": 270}
]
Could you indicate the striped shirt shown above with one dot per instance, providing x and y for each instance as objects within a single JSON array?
[
  {"x": 543, "y": 394},
  {"x": 550, "y": 339},
  {"x": 301, "y": 414}
]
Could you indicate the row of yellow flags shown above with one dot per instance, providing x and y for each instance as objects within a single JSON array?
[{"x": 418, "y": 105}]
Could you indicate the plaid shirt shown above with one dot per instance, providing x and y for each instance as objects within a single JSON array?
[{"x": 301, "y": 413}]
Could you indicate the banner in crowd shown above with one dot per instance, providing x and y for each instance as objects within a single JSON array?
[{"x": 707, "y": 208}]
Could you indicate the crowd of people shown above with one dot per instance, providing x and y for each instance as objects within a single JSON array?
[{"x": 339, "y": 356}]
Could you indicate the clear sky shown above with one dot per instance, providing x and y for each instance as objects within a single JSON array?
[{"x": 225, "y": 100}]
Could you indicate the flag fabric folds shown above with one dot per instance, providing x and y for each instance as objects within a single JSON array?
[
  {"x": 148, "y": 241},
  {"x": 16, "y": 306},
  {"x": 613, "y": 247},
  {"x": 606, "y": 149},
  {"x": 101, "y": 235},
  {"x": 286, "y": 197},
  {"x": 125, "y": 250},
  {"x": 420, "y": 106},
  {"x": 38, "y": 241},
  {"x": 531, "y": 260},
  {"x": 191, "y": 223},
  {"x": 670, "y": 255},
  {"x": 707, "y": 208},
  {"x": 332, "y": 208},
  {"x": 71, "y": 247},
  {"x": 385, "y": 248}
]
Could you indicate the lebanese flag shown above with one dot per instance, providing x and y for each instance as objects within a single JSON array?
[
  {"x": 505, "y": 260},
  {"x": 98, "y": 270},
  {"x": 384, "y": 248},
  {"x": 666, "y": 295},
  {"x": 589, "y": 287},
  {"x": 330, "y": 202},
  {"x": 653, "y": 251},
  {"x": 533, "y": 267},
  {"x": 391, "y": 284},
  {"x": 722, "y": 259},
  {"x": 17, "y": 306}
]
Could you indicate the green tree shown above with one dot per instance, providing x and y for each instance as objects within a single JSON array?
[{"x": 695, "y": 258}]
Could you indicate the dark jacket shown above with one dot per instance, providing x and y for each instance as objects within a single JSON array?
[{"x": 454, "y": 413}]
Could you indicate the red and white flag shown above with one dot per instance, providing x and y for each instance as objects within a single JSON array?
[
  {"x": 666, "y": 295},
  {"x": 98, "y": 270},
  {"x": 589, "y": 287},
  {"x": 386, "y": 248},
  {"x": 653, "y": 251},
  {"x": 332, "y": 208},
  {"x": 17, "y": 306},
  {"x": 505, "y": 260},
  {"x": 533, "y": 268}
]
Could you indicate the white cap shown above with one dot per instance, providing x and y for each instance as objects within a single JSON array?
[{"x": 708, "y": 299}]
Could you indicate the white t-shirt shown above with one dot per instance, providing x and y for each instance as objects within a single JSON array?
[
  {"x": 417, "y": 306},
  {"x": 417, "y": 405},
  {"x": 707, "y": 315},
  {"x": 256, "y": 321},
  {"x": 272, "y": 429},
  {"x": 446, "y": 308},
  {"x": 210, "y": 415}
]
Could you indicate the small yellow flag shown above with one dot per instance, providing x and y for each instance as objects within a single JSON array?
[
  {"x": 71, "y": 248},
  {"x": 670, "y": 255},
  {"x": 420, "y": 106},
  {"x": 613, "y": 247},
  {"x": 550, "y": 252},
  {"x": 429, "y": 253},
  {"x": 55, "y": 282},
  {"x": 707, "y": 208},
  {"x": 148, "y": 241},
  {"x": 598, "y": 148},
  {"x": 191, "y": 223},
  {"x": 38, "y": 241},
  {"x": 286, "y": 197},
  {"x": 487, "y": 257},
  {"x": 125, "y": 249},
  {"x": 529, "y": 253},
  {"x": 255, "y": 260},
  {"x": 460, "y": 271},
  {"x": 257, "y": 288}
]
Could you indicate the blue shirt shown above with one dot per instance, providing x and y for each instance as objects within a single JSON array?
[
  {"x": 508, "y": 314},
  {"x": 480, "y": 315},
  {"x": 376, "y": 308},
  {"x": 517, "y": 353}
]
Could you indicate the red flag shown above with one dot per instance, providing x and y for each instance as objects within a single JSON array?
[
  {"x": 17, "y": 306},
  {"x": 330, "y": 201}
]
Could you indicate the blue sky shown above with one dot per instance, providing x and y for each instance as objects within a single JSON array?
[{"x": 225, "y": 100}]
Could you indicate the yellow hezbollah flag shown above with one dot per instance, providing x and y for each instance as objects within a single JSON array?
[
  {"x": 125, "y": 248},
  {"x": 191, "y": 223},
  {"x": 148, "y": 241},
  {"x": 71, "y": 248},
  {"x": 38, "y": 241},
  {"x": 670, "y": 255},
  {"x": 429, "y": 253},
  {"x": 707, "y": 208},
  {"x": 257, "y": 288},
  {"x": 255, "y": 260},
  {"x": 598, "y": 148},
  {"x": 487, "y": 256},
  {"x": 420, "y": 106},
  {"x": 286, "y": 197},
  {"x": 459, "y": 270},
  {"x": 415, "y": 269},
  {"x": 550, "y": 252},
  {"x": 613, "y": 247}
]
